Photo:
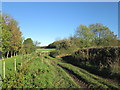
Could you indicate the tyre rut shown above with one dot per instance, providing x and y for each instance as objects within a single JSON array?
[{"x": 73, "y": 76}]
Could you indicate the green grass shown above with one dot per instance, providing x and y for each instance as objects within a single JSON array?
[
  {"x": 10, "y": 63},
  {"x": 36, "y": 72},
  {"x": 49, "y": 50},
  {"x": 87, "y": 77},
  {"x": 43, "y": 72}
]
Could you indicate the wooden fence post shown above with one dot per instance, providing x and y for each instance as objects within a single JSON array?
[
  {"x": 15, "y": 64},
  {"x": 3, "y": 68}
]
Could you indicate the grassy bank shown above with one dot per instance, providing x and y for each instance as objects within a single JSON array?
[
  {"x": 90, "y": 79},
  {"x": 35, "y": 72}
]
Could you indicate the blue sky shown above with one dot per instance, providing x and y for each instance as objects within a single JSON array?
[{"x": 48, "y": 21}]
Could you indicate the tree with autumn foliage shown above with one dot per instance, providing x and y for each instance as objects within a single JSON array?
[
  {"x": 16, "y": 38},
  {"x": 11, "y": 36}
]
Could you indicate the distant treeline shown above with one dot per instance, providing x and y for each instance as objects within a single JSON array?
[{"x": 94, "y": 35}]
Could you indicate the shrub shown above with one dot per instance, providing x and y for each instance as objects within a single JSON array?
[
  {"x": 81, "y": 56},
  {"x": 103, "y": 61},
  {"x": 54, "y": 53},
  {"x": 102, "y": 57}
]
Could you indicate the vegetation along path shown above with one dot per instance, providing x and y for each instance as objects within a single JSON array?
[
  {"x": 71, "y": 74},
  {"x": 83, "y": 78},
  {"x": 74, "y": 76},
  {"x": 48, "y": 72}
]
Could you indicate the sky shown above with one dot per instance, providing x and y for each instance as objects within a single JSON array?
[
  {"x": 60, "y": 0},
  {"x": 49, "y": 21}
]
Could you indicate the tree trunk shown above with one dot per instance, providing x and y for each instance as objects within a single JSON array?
[
  {"x": 14, "y": 53},
  {"x": 11, "y": 53},
  {"x": 7, "y": 53}
]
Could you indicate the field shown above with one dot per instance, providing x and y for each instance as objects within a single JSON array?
[
  {"x": 34, "y": 71},
  {"x": 48, "y": 50}
]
